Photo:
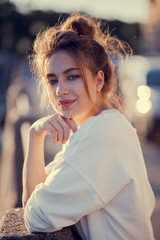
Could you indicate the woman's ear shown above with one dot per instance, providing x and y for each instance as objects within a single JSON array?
[{"x": 100, "y": 80}]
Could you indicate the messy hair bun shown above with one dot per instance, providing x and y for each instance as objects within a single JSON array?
[
  {"x": 82, "y": 37},
  {"x": 80, "y": 25}
]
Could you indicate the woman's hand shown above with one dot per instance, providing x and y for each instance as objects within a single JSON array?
[{"x": 55, "y": 125}]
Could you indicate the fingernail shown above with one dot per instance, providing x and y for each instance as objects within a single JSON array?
[{"x": 74, "y": 130}]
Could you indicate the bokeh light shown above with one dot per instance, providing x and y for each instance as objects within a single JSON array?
[
  {"x": 143, "y": 105},
  {"x": 143, "y": 92}
]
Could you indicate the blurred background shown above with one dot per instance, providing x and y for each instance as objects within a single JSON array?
[{"x": 137, "y": 22}]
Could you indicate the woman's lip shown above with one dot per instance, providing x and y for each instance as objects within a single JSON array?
[{"x": 66, "y": 103}]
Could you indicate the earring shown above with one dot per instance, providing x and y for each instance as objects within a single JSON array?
[{"x": 98, "y": 89}]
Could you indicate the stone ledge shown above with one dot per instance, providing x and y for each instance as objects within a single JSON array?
[{"x": 12, "y": 227}]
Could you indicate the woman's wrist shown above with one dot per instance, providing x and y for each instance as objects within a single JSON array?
[{"x": 34, "y": 134}]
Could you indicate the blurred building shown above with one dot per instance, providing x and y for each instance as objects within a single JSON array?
[{"x": 150, "y": 31}]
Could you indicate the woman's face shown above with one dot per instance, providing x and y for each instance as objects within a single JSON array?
[{"x": 66, "y": 88}]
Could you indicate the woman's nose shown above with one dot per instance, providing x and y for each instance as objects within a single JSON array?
[{"x": 61, "y": 89}]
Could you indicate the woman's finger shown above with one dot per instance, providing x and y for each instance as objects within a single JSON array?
[
  {"x": 50, "y": 130},
  {"x": 66, "y": 129},
  {"x": 59, "y": 129},
  {"x": 72, "y": 124}
]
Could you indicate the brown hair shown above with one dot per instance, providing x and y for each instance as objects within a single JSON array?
[{"x": 82, "y": 37}]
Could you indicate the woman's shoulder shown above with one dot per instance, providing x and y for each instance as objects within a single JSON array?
[
  {"x": 108, "y": 121},
  {"x": 109, "y": 124},
  {"x": 108, "y": 118}
]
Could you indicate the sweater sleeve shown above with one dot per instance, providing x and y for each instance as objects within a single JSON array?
[
  {"x": 94, "y": 170},
  {"x": 61, "y": 201}
]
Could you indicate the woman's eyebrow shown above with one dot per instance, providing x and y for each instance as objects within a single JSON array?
[
  {"x": 49, "y": 75},
  {"x": 66, "y": 71},
  {"x": 70, "y": 69}
]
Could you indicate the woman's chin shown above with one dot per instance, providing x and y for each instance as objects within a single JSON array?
[{"x": 66, "y": 114}]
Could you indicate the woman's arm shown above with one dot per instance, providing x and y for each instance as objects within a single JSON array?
[{"x": 34, "y": 164}]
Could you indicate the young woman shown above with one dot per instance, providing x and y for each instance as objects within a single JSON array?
[{"x": 98, "y": 182}]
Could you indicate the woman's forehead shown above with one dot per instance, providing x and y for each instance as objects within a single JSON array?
[{"x": 60, "y": 61}]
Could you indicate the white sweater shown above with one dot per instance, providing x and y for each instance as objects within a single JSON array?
[{"x": 98, "y": 182}]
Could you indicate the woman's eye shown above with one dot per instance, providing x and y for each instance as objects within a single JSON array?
[
  {"x": 53, "y": 82},
  {"x": 73, "y": 77}
]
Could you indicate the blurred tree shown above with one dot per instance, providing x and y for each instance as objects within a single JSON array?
[{"x": 15, "y": 26}]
